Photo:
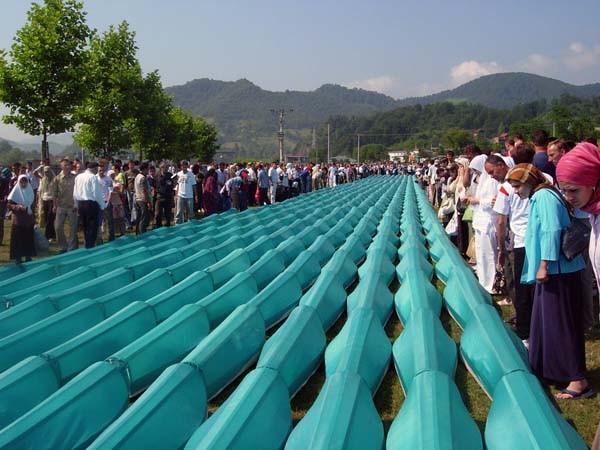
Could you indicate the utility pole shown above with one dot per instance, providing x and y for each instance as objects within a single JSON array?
[
  {"x": 358, "y": 153},
  {"x": 280, "y": 134},
  {"x": 328, "y": 141}
]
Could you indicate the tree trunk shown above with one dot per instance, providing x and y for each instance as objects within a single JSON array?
[{"x": 45, "y": 152}]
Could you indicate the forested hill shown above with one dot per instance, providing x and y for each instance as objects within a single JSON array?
[
  {"x": 452, "y": 125},
  {"x": 242, "y": 110},
  {"x": 506, "y": 90}
]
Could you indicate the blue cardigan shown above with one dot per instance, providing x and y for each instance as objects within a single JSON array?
[{"x": 548, "y": 216}]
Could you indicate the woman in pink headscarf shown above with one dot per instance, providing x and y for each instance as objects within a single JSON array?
[{"x": 578, "y": 173}]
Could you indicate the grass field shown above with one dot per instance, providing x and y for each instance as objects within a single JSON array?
[{"x": 584, "y": 415}]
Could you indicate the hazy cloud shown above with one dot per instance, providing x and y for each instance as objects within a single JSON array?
[
  {"x": 536, "y": 62},
  {"x": 384, "y": 84},
  {"x": 580, "y": 56},
  {"x": 469, "y": 70}
]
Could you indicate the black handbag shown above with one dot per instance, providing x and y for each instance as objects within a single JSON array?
[{"x": 575, "y": 239}]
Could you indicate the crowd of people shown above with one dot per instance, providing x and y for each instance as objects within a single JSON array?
[
  {"x": 527, "y": 219},
  {"x": 105, "y": 199}
]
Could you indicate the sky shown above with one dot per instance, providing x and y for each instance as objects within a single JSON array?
[{"x": 400, "y": 48}]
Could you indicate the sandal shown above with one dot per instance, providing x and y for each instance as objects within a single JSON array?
[{"x": 586, "y": 393}]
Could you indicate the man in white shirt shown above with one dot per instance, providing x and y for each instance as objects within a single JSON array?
[
  {"x": 89, "y": 199},
  {"x": 106, "y": 218},
  {"x": 274, "y": 181},
  {"x": 333, "y": 173},
  {"x": 514, "y": 211},
  {"x": 184, "y": 199},
  {"x": 252, "y": 185}
]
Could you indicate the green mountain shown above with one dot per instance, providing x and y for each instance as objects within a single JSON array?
[
  {"x": 241, "y": 110},
  {"x": 506, "y": 90}
]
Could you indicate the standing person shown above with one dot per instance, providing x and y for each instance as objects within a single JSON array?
[
  {"x": 556, "y": 339},
  {"x": 106, "y": 219},
  {"x": 513, "y": 215},
  {"x": 462, "y": 232},
  {"x": 333, "y": 173},
  {"x": 316, "y": 178},
  {"x": 221, "y": 173},
  {"x": 65, "y": 208},
  {"x": 130, "y": 175},
  {"x": 34, "y": 180},
  {"x": 263, "y": 186},
  {"x": 539, "y": 139},
  {"x": 243, "y": 174},
  {"x": 87, "y": 192},
  {"x": 210, "y": 193},
  {"x": 20, "y": 204},
  {"x": 165, "y": 192},
  {"x": 484, "y": 219},
  {"x": 252, "y": 185},
  {"x": 578, "y": 173},
  {"x": 46, "y": 203},
  {"x": 143, "y": 199},
  {"x": 185, "y": 194},
  {"x": 284, "y": 182},
  {"x": 233, "y": 186},
  {"x": 273, "y": 181},
  {"x": 556, "y": 150},
  {"x": 199, "y": 185},
  {"x": 151, "y": 178},
  {"x": 5, "y": 176},
  {"x": 116, "y": 204}
]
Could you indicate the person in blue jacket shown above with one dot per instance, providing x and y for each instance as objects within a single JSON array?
[{"x": 556, "y": 342}]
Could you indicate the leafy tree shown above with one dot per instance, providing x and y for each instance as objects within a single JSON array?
[
  {"x": 455, "y": 138},
  {"x": 115, "y": 75},
  {"x": 151, "y": 124},
  {"x": 371, "y": 152},
  {"x": 44, "y": 77},
  {"x": 194, "y": 137}
]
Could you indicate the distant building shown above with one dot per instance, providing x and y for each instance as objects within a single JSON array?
[
  {"x": 296, "y": 159},
  {"x": 397, "y": 155}
]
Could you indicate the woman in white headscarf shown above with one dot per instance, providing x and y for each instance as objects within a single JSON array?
[
  {"x": 20, "y": 201},
  {"x": 484, "y": 189}
]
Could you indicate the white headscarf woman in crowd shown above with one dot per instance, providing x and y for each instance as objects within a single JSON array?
[
  {"x": 20, "y": 201},
  {"x": 484, "y": 193},
  {"x": 22, "y": 194}
]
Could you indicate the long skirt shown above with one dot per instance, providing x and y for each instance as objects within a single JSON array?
[
  {"x": 556, "y": 339},
  {"x": 486, "y": 255},
  {"x": 22, "y": 242}
]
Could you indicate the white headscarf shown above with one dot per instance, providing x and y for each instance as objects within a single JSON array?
[
  {"x": 22, "y": 196},
  {"x": 478, "y": 163}
]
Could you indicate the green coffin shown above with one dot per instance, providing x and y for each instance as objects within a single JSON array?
[
  {"x": 343, "y": 417},
  {"x": 433, "y": 416},
  {"x": 257, "y": 415},
  {"x": 523, "y": 418},
  {"x": 423, "y": 346}
]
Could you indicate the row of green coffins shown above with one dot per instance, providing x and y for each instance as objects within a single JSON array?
[
  {"x": 433, "y": 415},
  {"x": 180, "y": 328},
  {"x": 521, "y": 415},
  {"x": 344, "y": 415}
]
